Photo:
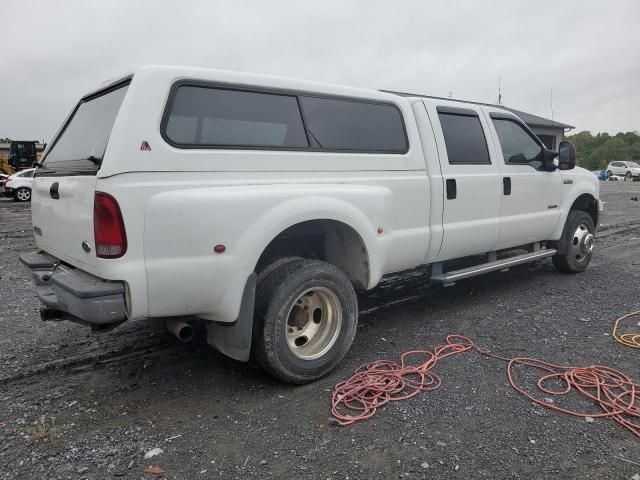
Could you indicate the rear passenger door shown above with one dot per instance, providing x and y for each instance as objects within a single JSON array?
[
  {"x": 531, "y": 194},
  {"x": 472, "y": 183}
]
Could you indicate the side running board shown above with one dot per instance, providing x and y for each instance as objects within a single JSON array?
[{"x": 455, "y": 275}]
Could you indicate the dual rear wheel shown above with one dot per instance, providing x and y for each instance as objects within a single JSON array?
[{"x": 305, "y": 319}]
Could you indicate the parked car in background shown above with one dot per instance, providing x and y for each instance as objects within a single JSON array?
[
  {"x": 629, "y": 170},
  {"x": 601, "y": 174},
  {"x": 18, "y": 185},
  {"x": 3, "y": 177}
]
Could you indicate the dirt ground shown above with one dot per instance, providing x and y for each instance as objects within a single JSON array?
[{"x": 79, "y": 405}]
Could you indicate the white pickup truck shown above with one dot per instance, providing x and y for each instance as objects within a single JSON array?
[{"x": 261, "y": 205}]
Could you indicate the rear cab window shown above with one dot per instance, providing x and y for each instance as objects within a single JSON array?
[
  {"x": 79, "y": 147},
  {"x": 209, "y": 116},
  {"x": 464, "y": 137}
]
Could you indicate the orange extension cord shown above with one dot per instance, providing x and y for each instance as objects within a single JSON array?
[
  {"x": 378, "y": 383},
  {"x": 629, "y": 339}
]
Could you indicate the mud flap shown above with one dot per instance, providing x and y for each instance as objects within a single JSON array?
[{"x": 234, "y": 339}]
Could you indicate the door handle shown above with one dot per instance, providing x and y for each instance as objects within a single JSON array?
[
  {"x": 452, "y": 189},
  {"x": 506, "y": 185},
  {"x": 53, "y": 190}
]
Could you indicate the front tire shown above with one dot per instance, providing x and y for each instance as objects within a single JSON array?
[
  {"x": 577, "y": 243},
  {"x": 22, "y": 194},
  {"x": 628, "y": 176},
  {"x": 306, "y": 318}
]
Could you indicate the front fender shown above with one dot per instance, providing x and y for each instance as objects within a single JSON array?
[
  {"x": 582, "y": 184},
  {"x": 182, "y": 227}
]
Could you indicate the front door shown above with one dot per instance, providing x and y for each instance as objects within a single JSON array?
[
  {"x": 472, "y": 188},
  {"x": 531, "y": 194}
]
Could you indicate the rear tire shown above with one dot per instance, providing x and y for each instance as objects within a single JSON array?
[
  {"x": 305, "y": 322},
  {"x": 609, "y": 173},
  {"x": 576, "y": 243},
  {"x": 22, "y": 194}
]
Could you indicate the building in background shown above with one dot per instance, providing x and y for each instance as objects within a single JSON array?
[{"x": 549, "y": 131}]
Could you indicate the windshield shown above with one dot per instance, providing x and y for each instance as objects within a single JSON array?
[
  {"x": 84, "y": 138},
  {"x": 633, "y": 164}
]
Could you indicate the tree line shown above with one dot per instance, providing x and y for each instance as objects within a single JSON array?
[{"x": 595, "y": 152}]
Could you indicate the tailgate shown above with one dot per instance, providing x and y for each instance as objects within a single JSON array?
[
  {"x": 62, "y": 224},
  {"x": 64, "y": 184}
]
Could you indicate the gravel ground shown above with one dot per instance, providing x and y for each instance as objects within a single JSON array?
[{"x": 78, "y": 405}]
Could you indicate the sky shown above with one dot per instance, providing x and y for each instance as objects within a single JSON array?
[{"x": 583, "y": 54}]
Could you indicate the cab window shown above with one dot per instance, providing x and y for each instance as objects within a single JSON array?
[
  {"x": 463, "y": 136},
  {"x": 518, "y": 146}
]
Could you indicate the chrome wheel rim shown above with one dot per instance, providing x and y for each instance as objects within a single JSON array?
[
  {"x": 313, "y": 323},
  {"x": 582, "y": 243},
  {"x": 23, "y": 194}
]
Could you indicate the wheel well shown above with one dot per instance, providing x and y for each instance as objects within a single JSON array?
[
  {"x": 589, "y": 204},
  {"x": 329, "y": 240}
]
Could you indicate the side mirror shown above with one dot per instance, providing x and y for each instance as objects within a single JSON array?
[{"x": 566, "y": 156}]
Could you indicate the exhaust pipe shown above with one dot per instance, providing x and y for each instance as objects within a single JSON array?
[
  {"x": 50, "y": 314},
  {"x": 182, "y": 330}
]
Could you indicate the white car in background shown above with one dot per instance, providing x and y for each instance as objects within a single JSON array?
[
  {"x": 629, "y": 170},
  {"x": 18, "y": 185}
]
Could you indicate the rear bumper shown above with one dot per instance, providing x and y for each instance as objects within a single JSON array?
[{"x": 68, "y": 293}]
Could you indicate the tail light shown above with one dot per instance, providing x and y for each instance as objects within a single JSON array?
[{"x": 108, "y": 227}]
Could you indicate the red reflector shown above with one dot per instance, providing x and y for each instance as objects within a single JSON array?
[
  {"x": 108, "y": 227},
  {"x": 219, "y": 248}
]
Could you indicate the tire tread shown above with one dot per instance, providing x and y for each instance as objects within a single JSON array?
[{"x": 275, "y": 286}]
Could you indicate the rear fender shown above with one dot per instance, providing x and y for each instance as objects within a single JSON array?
[{"x": 182, "y": 227}]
